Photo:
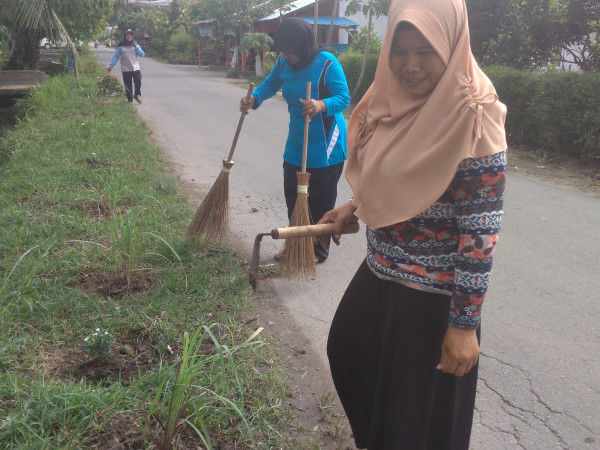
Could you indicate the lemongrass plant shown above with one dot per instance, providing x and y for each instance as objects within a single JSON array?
[
  {"x": 186, "y": 390},
  {"x": 126, "y": 240}
]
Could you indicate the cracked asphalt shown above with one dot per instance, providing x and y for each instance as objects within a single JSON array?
[{"x": 539, "y": 384}]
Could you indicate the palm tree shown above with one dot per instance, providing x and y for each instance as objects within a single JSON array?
[
  {"x": 258, "y": 41},
  {"x": 33, "y": 17}
]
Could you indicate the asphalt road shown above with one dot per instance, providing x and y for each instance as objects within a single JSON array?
[{"x": 540, "y": 366}]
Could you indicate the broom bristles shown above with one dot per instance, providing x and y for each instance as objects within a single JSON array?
[
  {"x": 298, "y": 255},
  {"x": 212, "y": 216}
]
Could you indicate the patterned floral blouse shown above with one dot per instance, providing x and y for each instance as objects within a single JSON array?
[{"x": 448, "y": 249}]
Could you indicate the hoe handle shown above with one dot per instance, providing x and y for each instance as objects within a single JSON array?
[
  {"x": 239, "y": 127},
  {"x": 321, "y": 230}
]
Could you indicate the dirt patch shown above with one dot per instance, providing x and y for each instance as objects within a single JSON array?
[
  {"x": 126, "y": 431},
  {"x": 94, "y": 281},
  {"x": 579, "y": 175},
  {"x": 134, "y": 354},
  {"x": 119, "y": 433},
  {"x": 319, "y": 413},
  {"x": 94, "y": 211}
]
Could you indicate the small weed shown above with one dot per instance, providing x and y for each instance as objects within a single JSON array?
[
  {"x": 175, "y": 254},
  {"x": 338, "y": 431},
  {"x": 167, "y": 183},
  {"x": 99, "y": 344},
  {"x": 335, "y": 426},
  {"x": 543, "y": 158},
  {"x": 14, "y": 292},
  {"x": 326, "y": 405},
  {"x": 93, "y": 160}
]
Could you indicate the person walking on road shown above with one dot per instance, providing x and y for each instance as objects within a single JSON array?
[
  {"x": 128, "y": 51},
  {"x": 426, "y": 163},
  {"x": 302, "y": 61}
]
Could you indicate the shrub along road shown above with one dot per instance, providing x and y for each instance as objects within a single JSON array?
[{"x": 540, "y": 369}]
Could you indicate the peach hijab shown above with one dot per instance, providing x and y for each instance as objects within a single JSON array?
[{"x": 403, "y": 153}]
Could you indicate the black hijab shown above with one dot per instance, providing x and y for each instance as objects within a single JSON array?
[
  {"x": 296, "y": 36},
  {"x": 125, "y": 42}
]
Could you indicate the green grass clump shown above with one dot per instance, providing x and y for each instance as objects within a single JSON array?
[{"x": 92, "y": 237}]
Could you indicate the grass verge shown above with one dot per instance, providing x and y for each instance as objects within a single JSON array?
[{"x": 115, "y": 330}]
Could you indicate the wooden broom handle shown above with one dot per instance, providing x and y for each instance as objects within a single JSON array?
[
  {"x": 306, "y": 122},
  {"x": 239, "y": 127},
  {"x": 320, "y": 230}
]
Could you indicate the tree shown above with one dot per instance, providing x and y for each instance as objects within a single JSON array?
[
  {"x": 359, "y": 42},
  {"x": 239, "y": 14},
  {"x": 529, "y": 34},
  {"x": 283, "y": 6},
  {"x": 368, "y": 8},
  {"x": 316, "y": 19},
  {"x": 236, "y": 13},
  {"x": 580, "y": 33},
  {"x": 330, "y": 33},
  {"x": 516, "y": 33},
  {"x": 83, "y": 20},
  {"x": 57, "y": 19}
]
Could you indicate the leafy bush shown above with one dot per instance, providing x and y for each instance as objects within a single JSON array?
[
  {"x": 269, "y": 62},
  {"x": 517, "y": 90},
  {"x": 5, "y": 33},
  {"x": 358, "y": 42},
  {"x": 4, "y": 37},
  {"x": 233, "y": 74},
  {"x": 351, "y": 63},
  {"x": 157, "y": 46},
  {"x": 181, "y": 47},
  {"x": 556, "y": 112}
]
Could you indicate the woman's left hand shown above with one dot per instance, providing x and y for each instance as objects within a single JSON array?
[
  {"x": 460, "y": 351},
  {"x": 313, "y": 107},
  {"x": 339, "y": 217}
]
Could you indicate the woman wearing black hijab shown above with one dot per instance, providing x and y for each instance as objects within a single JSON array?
[
  {"x": 128, "y": 51},
  {"x": 299, "y": 62}
]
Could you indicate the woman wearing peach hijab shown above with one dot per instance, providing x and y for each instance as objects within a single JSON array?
[{"x": 426, "y": 163}]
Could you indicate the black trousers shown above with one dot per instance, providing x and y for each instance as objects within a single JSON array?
[
  {"x": 136, "y": 77},
  {"x": 322, "y": 188},
  {"x": 383, "y": 347},
  {"x": 322, "y": 194}
]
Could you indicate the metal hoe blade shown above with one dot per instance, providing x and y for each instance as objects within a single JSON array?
[{"x": 255, "y": 260}]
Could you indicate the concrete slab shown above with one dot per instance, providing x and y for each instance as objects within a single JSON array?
[{"x": 15, "y": 81}]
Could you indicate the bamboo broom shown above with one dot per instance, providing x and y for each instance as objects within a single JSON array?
[
  {"x": 298, "y": 256},
  {"x": 212, "y": 216}
]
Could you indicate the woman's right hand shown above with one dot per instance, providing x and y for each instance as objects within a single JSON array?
[
  {"x": 339, "y": 216},
  {"x": 246, "y": 103}
]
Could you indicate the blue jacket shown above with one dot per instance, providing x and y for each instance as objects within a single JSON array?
[{"x": 327, "y": 131}]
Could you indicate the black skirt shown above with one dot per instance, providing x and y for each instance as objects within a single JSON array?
[{"x": 384, "y": 345}]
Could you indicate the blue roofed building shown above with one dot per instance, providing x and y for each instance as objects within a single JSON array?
[{"x": 343, "y": 27}]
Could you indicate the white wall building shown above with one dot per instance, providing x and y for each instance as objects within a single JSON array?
[{"x": 379, "y": 24}]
